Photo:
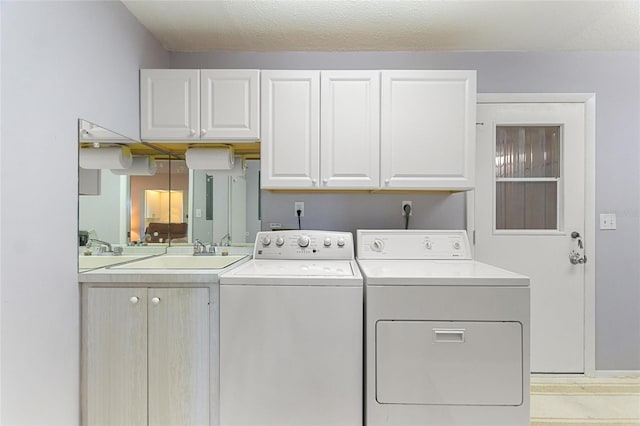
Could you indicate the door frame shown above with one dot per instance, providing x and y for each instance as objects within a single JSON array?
[{"x": 589, "y": 101}]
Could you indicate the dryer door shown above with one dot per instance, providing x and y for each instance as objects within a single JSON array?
[{"x": 449, "y": 362}]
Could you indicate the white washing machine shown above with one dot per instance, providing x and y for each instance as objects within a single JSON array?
[
  {"x": 291, "y": 333},
  {"x": 447, "y": 338}
]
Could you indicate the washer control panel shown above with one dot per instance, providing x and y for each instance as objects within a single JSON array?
[
  {"x": 412, "y": 244},
  {"x": 304, "y": 244}
]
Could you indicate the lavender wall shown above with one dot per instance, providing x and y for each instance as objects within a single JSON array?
[
  {"x": 614, "y": 77},
  {"x": 60, "y": 61}
]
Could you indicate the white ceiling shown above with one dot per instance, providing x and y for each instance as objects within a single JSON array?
[{"x": 360, "y": 25}]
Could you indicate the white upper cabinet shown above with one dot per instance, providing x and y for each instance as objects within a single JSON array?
[
  {"x": 428, "y": 130},
  {"x": 350, "y": 130},
  {"x": 289, "y": 149},
  {"x": 169, "y": 104},
  {"x": 199, "y": 105},
  {"x": 229, "y": 104},
  {"x": 393, "y": 130},
  {"x": 320, "y": 130}
]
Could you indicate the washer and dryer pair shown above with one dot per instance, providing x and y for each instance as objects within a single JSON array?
[{"x": 440, "y": 339}]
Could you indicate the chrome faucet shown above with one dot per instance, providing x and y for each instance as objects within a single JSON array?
[
  {"x": 113, "y": 250},
  {"x": 225, "y": 240},
  {"x": 200, "y": 248}
]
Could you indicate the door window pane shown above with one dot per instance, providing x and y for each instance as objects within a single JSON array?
[
  {"x": 528, "y": 151},
  {"x": 527, "y": 177},
  {"x": 526, "y": 205}
]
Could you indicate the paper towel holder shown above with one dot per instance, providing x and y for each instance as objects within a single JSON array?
[{"x": 210, "y": 158}]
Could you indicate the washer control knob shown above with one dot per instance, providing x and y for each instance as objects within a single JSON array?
[
  {"x": 456, "y": 245},
  {"x": 341, "y": 242},
  {"x": 279, "y": 241},
  {"x": 377, "y": 245},
  {"x": 266, "y": 241},
  {"x": 429, "y": 245},
  {"x": 327, "y": 242},
  {"x": 303, "y": 241}
]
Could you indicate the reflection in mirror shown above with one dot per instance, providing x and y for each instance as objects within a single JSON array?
[
  {"x": 158, "y": 204},
  {"x": 225, "y": 208},
  {"x": 170, "y": 206}
]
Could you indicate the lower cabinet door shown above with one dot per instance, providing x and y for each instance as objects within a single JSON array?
[
  {"x": 179, "y": 356},
  {"x": 115, "y": 356}
]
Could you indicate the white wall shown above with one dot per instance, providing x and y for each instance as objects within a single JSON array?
[
  {"x": 614, "y": 77},
  {"x": 60, "y": 61}
]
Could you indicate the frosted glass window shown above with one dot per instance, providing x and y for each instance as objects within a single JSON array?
[{"x": 527, "y": 177}]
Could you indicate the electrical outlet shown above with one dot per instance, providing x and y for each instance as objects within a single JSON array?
[
  {"x": 298, "y": 205},
  {"x": 404, "y": 203}
]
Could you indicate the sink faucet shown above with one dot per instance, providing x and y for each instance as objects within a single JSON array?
[
  {"x": 201, "y": 248},
  {"x": 225, "y": 240},
  {"x": 102, "y": 245}
]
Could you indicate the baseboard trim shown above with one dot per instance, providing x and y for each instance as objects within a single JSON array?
[{"x": 617, "y": 373}]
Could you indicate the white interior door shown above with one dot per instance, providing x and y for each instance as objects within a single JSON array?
[{"x": 529, "y": 205}]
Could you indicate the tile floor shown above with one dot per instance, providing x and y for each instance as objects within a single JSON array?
[{"x": 576, "y": 400}]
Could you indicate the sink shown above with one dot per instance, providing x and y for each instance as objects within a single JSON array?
[
  {"x": 93, "y": 262},
  {"x": 182, "y": 262}
]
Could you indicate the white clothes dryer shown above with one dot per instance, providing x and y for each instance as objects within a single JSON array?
[
  {"x": 447, "y": 338},
  {"x": 291, "y": 333}
]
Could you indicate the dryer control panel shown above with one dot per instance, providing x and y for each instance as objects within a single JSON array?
[
  {"x": 305, "y": 244},
  {"x": 412, "y": 244}
]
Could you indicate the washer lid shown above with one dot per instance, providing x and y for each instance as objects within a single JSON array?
[
  {"x": 437, "y": 272},
  {"x": 294, "y": 272}
]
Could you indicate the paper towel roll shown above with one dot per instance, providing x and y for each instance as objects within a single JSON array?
[
  {"x": 141, "y": 166},
  {"x": 114, "y": 157},
  {"x": 210, "y": 158},
  {"x": 238, "y": 169}
]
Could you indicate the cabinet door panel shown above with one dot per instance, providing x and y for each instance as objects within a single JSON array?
[
  {"x": 428, "y": 129},
  {"x": 350, "y": 129},
  {"x": 179, "y": 356},
  {"x": 229, "y": 103},
  {"x": 115, "y": 357},
  {"x": 169, "y": 104},
  {"x": 290, "y": 105}
]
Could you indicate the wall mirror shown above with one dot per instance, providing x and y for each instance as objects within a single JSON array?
[{"x": 170, "y": 205}]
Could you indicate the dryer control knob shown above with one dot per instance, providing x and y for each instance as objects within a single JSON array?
[
  {"x": 429, "y": 245},
  {"x": 377, "y": 245},
  {"x": 266, "y": 241},
  {"x": 456, "y": 245},
  {"x": 327, "y": 242},
  {"x": 279, "y": 241},
  {"x": 341, "y": 242},
  {"x": 303, "y": 241}
]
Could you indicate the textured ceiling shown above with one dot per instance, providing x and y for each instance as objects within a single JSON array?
[{"x": 342, "y": 25}]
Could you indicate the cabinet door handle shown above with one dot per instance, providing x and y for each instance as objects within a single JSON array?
[
  {"x": 386, "y": 181},
  {"x": 134, "y": 300},
  {"x": 192, "y": 132},
  {"x": 325, "y": 181},
  {"x": 203, "y": 132},
  {"x": 155, "y": 300}
]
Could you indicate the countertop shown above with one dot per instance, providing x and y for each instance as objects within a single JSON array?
[{"x": 120, "y": 274}]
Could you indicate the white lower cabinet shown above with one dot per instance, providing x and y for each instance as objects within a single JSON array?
[{"x": 146, "y": 356}]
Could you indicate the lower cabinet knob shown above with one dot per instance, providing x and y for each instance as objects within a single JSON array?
[
  {"x": 134, "y": 300},
  {"x": 155, "y": 300}
]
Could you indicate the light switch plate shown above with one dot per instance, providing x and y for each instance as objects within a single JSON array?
[{"x": 608, "y": 221}]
